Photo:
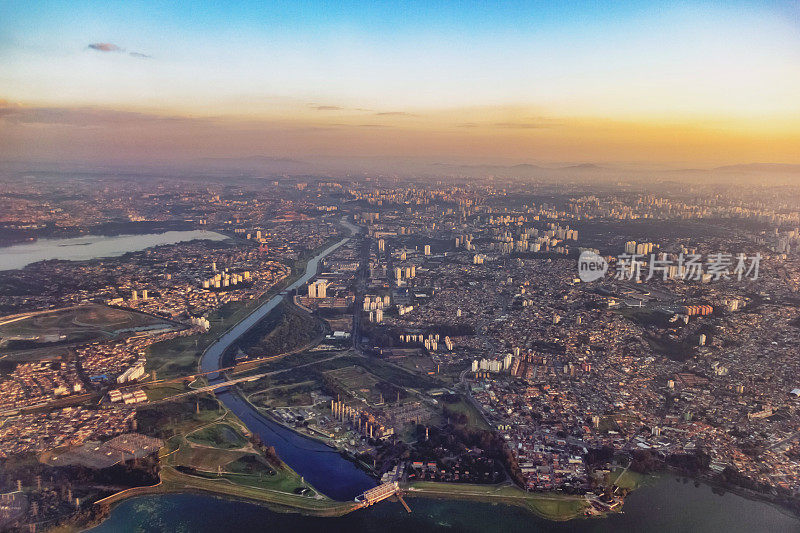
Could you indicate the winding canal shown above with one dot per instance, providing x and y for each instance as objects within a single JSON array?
[{"x": 323, "y": 467}]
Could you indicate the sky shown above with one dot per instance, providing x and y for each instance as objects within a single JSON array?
[{"x": 675, "y": 83}]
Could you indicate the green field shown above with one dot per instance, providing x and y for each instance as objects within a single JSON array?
[
  {"x": 207, "y": 450},
  {"x": 202, "y": 458},
  {"x": 244, "y": 466},
  {"x": 190, "y": 462},
  {"x": 626, "y": 479},
  {"x": 221, "y": 436},
  {"x": 295, "y": 394},
  {"x": 272, "y": 496},
  {"x": 380, "y": 369},
  {"x": 160, "y": 391},
  {"x": 549, "y": 505},
  {"x": 474, "y": 419},
  {"x": 180, "y": 356},
  {"x": 354, "y": 378},
  {"x": 279, "y": 490},
  {"x": 60, "y": 327},
  {"x": 181, "y": 417}
]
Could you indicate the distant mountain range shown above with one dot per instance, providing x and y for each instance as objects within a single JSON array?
[
  {"x": 256, "y": 163},
  {"x": 289, "y": 166},
  {"x": 525, "y": 168},
  {"x": 521, "y": 168},
  {"x": 761, "y": 167},
  {"x": 583, "y": 166},
  {"x": 252, "y": 159},
  {"x": 263, "y": 166}
]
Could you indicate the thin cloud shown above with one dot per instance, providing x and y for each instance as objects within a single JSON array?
[
  {"x": 327, "y": 107},
  {"x": 111, "y": 47},
  {"x": 394, "y": 114},
  {"x": 523, "y": 125},
  {"x": 527, "y": 123},
  {"x": 86, "y": 116},
  {"x": 343, "y": 125},
  {"x": 105, "y": 47}
]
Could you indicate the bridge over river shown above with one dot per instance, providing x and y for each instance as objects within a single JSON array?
[{"x": 323, "y": 467}]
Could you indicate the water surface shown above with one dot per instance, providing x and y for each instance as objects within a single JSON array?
[
  {"x": 665, "y": 505},
  {"x": 322, "y": 466},
  {"x": 93, "y": 246}
]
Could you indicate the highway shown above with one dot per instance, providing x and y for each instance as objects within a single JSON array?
[{"x": 220, "y": 384}]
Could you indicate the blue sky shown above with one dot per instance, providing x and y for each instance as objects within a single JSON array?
[
  {"x": 503, "y": 50},
  {"x": 728, "y": 65}
]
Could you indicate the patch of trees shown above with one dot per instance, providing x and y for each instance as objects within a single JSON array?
[
  {"x": 159, "y": 421},
  {"x": 293, "y": 331},
  {"x": 381, "y": 337},
  {"x": 734, "y": 477},
  {"x": 83, "y": 518},
  {"x": 450, "y": 398},
  {"x": 645, "y": 462},
  {"x": 600, "y": 456},
  {"x": 690, "y": 464},
  {"x": 132, "y": 473},
  {"x": 455, "y": 417},
  {"x": 268, "y": 451}
]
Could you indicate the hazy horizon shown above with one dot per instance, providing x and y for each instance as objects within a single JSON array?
[{"x": 679, "y": 85}]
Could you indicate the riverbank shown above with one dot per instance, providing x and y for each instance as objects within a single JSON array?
[
  {"x": 91, "y": 247},
  {"x": 312, "y": 458},
  {"x": 663, "y": 505},
  {"x": 550, "y": 506},
  {"x": 789, "y": 507},
  {"x": 174, "y": 482},
  {"x": 184, "y": 355}
]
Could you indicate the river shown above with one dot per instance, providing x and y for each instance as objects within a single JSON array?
[
  {"x": 665, "y": 504},
  {"x": 323, "y": 467},
  {"x": 93, "y": 246}
]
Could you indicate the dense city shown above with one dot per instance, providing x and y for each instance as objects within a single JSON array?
[{"x": 442, "y": 339}]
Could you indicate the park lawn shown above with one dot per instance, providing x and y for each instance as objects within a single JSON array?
[
  {"x": 164, "y": 390},
  {"x": 208, "y": 450},
  {"x": 548, "y": 505},
  {"x": 555, "y": 509},
  {"x": 221, "y": 436},
  {"x": 291, "y": 395},
  {"x": 180, "y": 356},
  {"x": 238, "y": 467},
  {"x": 629, "y": 480},
  {"x": 394, "y": 374},
  {"x": 277, "y": 480},
  {"x": 474, "y": 419},
  {"x": 174, "y": 481},
  {"x": 203, "y": 458}
]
